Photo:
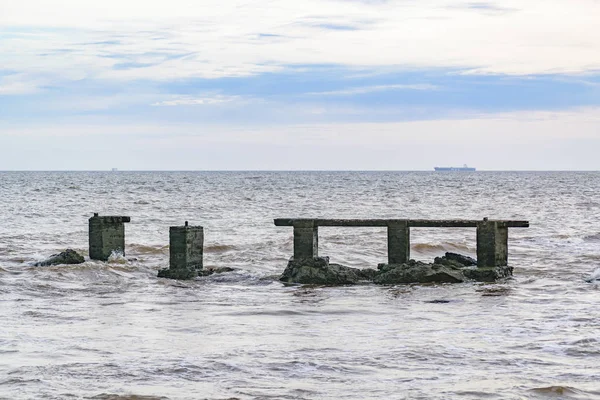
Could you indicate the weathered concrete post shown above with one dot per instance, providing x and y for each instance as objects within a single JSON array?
[
  {"x": 186, "y": 251},
  {"x": 186, "y": 247},
  {"x": 398, "y": 242},
  {"x": 492, "y": 244},
  {"x": 106, "y": 234},
  {"x": 306, "y": 240}
]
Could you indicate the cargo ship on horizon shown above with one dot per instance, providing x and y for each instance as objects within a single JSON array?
[{"x": 464, "y": 168}]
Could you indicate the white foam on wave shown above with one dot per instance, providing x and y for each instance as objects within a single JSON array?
[
  {"x": 117, "y": 257},
  {"x": 595, "y": 276}
]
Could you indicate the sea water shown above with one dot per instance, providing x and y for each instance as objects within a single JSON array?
[{"x": 115, "y": 331}]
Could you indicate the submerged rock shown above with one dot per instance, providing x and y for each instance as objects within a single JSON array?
[
  {"x": 218, "y": 270},
  {"x": 68, "y": 256},
  {"x": 187, "y": 274},
  {"x": 451, "y": 268},
  {"x": 488, "y": 274},
  {"x": 417, "y": 272},
  {"x": 182, "y": 274},
  {"x": 318, "y": 271}
]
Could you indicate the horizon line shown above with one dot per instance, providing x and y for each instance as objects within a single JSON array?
[{"x": 299, "y": 170}]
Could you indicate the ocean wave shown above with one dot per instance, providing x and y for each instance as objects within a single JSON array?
[
  {"x": 558, "y": 390},
  {"x": 439, "y": 247},
  {"x": 91, "y": 265},
  {"x": 19, "y": 381},
  {"x": 218, "y": 248},
  {"x": 587, "y": 204},
  {"x": 106, "y": 396},
  {"x": 595, "y": 276},
  {"x": 117, "y": 257},
  {"x": 592, "y": 238},
  {"x": 148, "y": 249}
]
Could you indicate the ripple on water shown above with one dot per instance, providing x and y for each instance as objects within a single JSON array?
[
  {"x": 107, "y": 396},
  {"x": 560, "y": 392}
]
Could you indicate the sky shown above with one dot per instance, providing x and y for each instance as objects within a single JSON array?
[{"x": 299, "y": 85}]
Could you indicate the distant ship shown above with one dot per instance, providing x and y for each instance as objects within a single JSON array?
[{"x": 461, "y": 169}]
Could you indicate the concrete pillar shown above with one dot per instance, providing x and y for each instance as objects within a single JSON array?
[
  {"x": 186, "y": 247},
  {"x": 306, "y": 240},
  {"x": 106, "y": 234},
  {"x": 492, "y": 244},
  {"x": 398, "y": 242}
]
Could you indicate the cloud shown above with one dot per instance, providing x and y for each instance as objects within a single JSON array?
[
  {"x": 299, "y": 72},
  {"x": 179, "y": 39},
  {"x": 372, "y": 89},
  {"x": 485, "y": 7},
  {"x": 19, "y": 84},
  {"x": 192, "y": 101},
  {"x": 336, "y": 27}
]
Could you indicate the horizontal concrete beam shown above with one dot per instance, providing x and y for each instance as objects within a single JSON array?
[
  {"x": 417, "y": 223},
  {"x": 111, "y": 219}
]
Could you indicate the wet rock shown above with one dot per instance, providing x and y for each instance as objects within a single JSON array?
[
  {"x": 454, "y": 259},
  {"x": 187, "y": 274},
  {"x": 68, "y": 256},
  {"x": 488, "y": 274},
  {"x": 417, "y": 272},
  {"x": 318, "y": 271},
  {"x": 368, "y": 274},
  {"x": 182, "y": 274},
  {"x": 218, "y": 270},
  {"x": 452, "y": 268}
]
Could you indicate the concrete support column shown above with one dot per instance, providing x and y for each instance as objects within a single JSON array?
[
  {"x": 106, "y": 234},
  {"x": 306, "y": 240},
  {"x": 398, "y": 242},
  {"x": 186, "y": 247},
  {"x": 492, "y": 244}
]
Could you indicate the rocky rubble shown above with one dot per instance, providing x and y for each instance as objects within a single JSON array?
[
  {"x": 319, "y": 271},
  {"x": 451, "y": 268},
  {"x": 69, "y": 256}
]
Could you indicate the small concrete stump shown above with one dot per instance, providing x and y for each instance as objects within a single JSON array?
[
  {"x": 106, "y": 235},
  {"x": 186, "y": 251}
]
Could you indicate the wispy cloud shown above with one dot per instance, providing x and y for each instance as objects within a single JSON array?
[
  {"x": 17, "y": 88},
  {"x": 335, "y": 27},
  {"x": 194, "y": 101},
  {"x": 230, "y": 38},
  {"x": 19, "y": 84},
  {"x": 485, "y": 7},
  {"x": 372, "y": 89}
]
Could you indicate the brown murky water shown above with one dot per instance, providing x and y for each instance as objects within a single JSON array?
[{"x": 115, "y": 331}]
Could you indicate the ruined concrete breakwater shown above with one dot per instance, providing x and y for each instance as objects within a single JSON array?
[
  {"x": 186, "y": 250},
  {"x": 492, "y": 252}
]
